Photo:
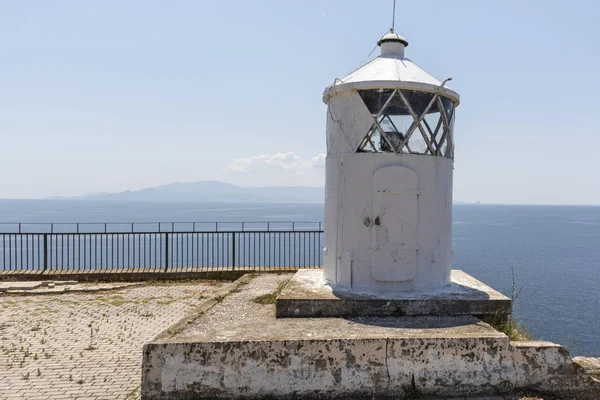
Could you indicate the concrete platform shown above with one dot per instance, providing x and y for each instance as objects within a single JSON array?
[
  {"x": 238, "y": 349},
  {"x": 306, "y": 295}
]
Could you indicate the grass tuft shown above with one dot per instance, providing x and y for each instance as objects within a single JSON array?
[
  {"x": 511, "y": 327},
  {"x": 270, "y": 298}
]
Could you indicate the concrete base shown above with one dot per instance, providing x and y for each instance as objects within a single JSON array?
[
  {"x": 238, "y": 349},
  {"x": 307, "y": 295}
]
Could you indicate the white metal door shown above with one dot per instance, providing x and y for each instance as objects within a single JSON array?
[{"x": 395, "y": 216}]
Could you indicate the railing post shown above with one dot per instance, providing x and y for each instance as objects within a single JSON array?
[
  {"x": 45, "y": 251},
  {"x": 233, "y": 252},
  {"x": 166, "y": 251}
]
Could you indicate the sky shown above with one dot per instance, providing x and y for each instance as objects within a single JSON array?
[{"x": 106, "y": 96}]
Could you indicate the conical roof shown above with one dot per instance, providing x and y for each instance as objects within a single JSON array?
[{"x": 390, "y": 70}]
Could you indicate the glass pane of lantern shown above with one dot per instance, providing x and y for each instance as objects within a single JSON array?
[
  {"x": 444, "y": 148},
  {"x": 397, "y": 126},
  {"x": 419, "y": 101},
  {"x": 375, "y": 99},
  {"x": 417, "y": 144},
  {"x": 448, "y": 107},
  {"x": 450, "y": 150},
  {"x": 396, "y": 120},
  {"x": 433, "y": 125},
  {"x": 449, "y": 110},
  {"x": 392, "y": 139},
  {"x": 371, "y": 146}
]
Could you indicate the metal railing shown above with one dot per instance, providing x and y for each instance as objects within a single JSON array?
[{"x": 164, "y": 246}]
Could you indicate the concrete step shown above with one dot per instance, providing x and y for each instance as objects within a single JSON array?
[{"x": 307, "y": 295}]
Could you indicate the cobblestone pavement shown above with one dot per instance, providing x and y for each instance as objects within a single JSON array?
[{"x": 86, "y": 346}]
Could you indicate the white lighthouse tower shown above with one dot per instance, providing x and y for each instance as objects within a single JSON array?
[{"x": 390, "y": 150}]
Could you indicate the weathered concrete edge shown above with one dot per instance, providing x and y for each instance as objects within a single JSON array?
[
  {"x": 558, "y": 362},
  {"x": 535, "y": 365},
  {"x": 94, "y": 276},
  {"x": 305, "y": 308},
  {"x": 590, "y": 364},
  {"x": 36, "y": 292},
  {"x": 198, "y": 312}
]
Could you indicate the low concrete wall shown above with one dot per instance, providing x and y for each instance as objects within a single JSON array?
[
  {"x": 358, "y": 367},
  {"x": 136, "y": 274}
]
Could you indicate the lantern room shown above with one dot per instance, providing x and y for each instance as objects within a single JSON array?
[{"x": 390, "y": 151}]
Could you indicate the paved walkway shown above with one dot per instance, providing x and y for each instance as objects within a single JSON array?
[{"x": 86, "y": 346}]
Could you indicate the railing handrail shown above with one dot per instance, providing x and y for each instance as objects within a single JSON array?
[
  {"x": 299, "y": 246},
  {"x": 164, "y": 227},
  {"x": 157, "y": 232}
]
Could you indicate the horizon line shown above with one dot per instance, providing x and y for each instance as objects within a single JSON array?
[{"x": 456, "y": 202}]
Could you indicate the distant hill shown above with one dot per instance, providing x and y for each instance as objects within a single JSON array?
[{"x": 212, "y": 191}]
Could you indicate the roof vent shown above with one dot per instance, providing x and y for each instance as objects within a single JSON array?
[{"x": 392, "y": 45}]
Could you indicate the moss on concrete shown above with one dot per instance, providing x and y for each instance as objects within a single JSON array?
[{"x": 270, "y": 298}]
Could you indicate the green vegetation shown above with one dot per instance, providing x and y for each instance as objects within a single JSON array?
[
  {"x": 240, "y": 286},
  {"x": 270, "y": 298},
  {"x": 133, "y": 394},
  {"x": 511, "y": 327},
  {"x": 117, "y": 300}
]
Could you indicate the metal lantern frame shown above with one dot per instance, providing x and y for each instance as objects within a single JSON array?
[{"x": 436, "y": 144}]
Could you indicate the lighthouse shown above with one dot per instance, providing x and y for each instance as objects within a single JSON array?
[{"x": 388, "y": 179}]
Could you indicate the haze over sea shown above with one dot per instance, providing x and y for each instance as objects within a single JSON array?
[{"x": 554, "y": 250}]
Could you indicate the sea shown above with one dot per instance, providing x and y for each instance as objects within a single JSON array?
[{"x": 548, "y": 255}]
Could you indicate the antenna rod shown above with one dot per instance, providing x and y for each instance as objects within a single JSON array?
[{"x": 393, "y": 17}]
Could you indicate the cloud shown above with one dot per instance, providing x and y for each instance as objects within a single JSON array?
[
  {"x": 318, "y": 161},
  {"x": 289, "y": 161}
]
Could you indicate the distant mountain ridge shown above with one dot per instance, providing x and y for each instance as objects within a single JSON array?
[{"x": 214, "y": 191}]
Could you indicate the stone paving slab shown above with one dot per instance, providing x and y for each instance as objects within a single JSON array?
[
  {"x": 32, "y": 285},
  {"x": 54, "y": 287},
  {"x": 86, "y": 345}
]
